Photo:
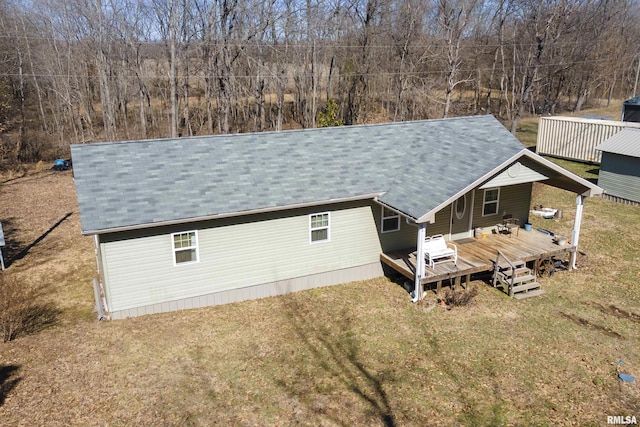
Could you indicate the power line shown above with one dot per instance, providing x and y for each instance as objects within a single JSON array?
[
  {"x": 309, "y": 45},
  {"x": 417, "y": 73}
]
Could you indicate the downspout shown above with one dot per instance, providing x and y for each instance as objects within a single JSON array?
[
  {"x": 96, "y": 246},
  {"x": 420, "y": 262},
  {"x": 96, "y": 295},
  {"x": 99, "y": 294},
  {"x": 575, "y": 235}
]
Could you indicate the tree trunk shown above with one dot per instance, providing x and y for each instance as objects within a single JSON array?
[
  {"x": 36, "y": 83},
  {"x": 173, "y": 78}
]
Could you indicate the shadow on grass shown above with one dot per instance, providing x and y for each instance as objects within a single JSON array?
[
  {"x": 398, "y": 279},
  {"x": 24, "y": 308},
  {"x": 29, "y": 320},
  {"x": 595, "y": 172},
  {"x": 24, "y": 177},
  {"x": 39, "y": 317},
  {"x": 11, "y": 244},
  {"x": 8, "y": 380},
  {"x": 14, "y": 252},
  {"x": 333, "y": 362},
  {"x": 489, "y": 409}
]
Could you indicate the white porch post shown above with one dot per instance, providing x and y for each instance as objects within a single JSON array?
[
  {"x": 575, "y": 235},
  {"x": 420, "y": 262}
]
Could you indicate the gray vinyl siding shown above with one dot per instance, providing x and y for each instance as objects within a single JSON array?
[
  {"x": 620, "y": 176},
  {"x": 522, "y": 172},
  {"x": 395, "y": 240},
  {"x": 407, "y": 236},
  {"x": 514, "y": 200},
  {"x": 442, "y": 224},
  {"x": 235, "y": 253}
]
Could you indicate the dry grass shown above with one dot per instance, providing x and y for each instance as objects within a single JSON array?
[
  {"x": 356, "y": 354},
  {"x": 39, "y": 215}
]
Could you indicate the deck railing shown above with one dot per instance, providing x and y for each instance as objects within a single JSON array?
[{"x": 496, "y": 270}]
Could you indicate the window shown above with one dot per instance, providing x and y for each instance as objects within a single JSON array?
[
  {"x": 319, "y": 227},
  {"x": 461, "y": 207},
  {"x": 490, "y": 202},
  {"x": 185, "y": 247},
  {"x": 390, "y": 221}
]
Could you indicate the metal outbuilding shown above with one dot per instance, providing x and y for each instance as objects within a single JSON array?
[
  {"x": 620, "y": 168},
  {"x": 631, "y": 110},
  {"x": 574, "y": 138}
]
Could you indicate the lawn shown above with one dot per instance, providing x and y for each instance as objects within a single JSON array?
[{"x": 354, "y": 354}]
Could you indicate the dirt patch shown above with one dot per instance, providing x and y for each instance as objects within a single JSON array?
[
  {"x": 590, "y": 325},
  {"x": 617, "y": 312}
]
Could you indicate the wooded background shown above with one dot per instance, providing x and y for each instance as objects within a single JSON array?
[{"x": 77, "y": 71}]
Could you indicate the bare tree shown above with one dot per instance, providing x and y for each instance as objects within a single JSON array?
[
  {"x": 453, "y": 17},
  {"x": 357, "y": 70},
  {"x": 405, "y": 32},
  {"x": 541, "y": 27}
]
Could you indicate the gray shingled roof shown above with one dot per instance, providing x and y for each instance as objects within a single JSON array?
[
  {"x": 625, "y": 142},
  {"x": 414, "y": 165}
]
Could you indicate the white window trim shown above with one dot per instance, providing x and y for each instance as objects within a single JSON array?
[
  {"x": 394, "y": 215},
  {"x": 173, "y": 246},
  {"x": 328, "y": 228},
  {"x": 460, "y": 215},
  {"x": 496, "y": 201}
]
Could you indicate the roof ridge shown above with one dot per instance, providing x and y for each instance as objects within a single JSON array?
[{"x": 271, "y": 132}]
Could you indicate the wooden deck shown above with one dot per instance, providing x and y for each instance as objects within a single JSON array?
[{"x": 477, "y": 255}]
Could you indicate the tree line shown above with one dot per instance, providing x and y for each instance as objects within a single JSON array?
[{"x": 77, "y": 71}]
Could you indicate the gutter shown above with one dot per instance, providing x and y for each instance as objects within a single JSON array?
[{"x": 391, "y": 208}]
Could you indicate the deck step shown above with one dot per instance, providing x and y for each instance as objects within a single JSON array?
[
  {"x": 518, "y": 279},
  {"x": 526, "y": 287},
  {"x": 519, "y": 270},
  {"x": 523, "y": 279},
  {"x": 507, "y": 266},
  {"x": 529, "y": 294}
]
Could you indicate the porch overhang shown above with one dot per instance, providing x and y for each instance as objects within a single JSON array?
[
  {"x": 564, "y": 179},
  {"x": 557, "y": 177}
]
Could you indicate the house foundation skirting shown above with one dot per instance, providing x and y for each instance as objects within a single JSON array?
[
  {"x": 620, "y": 200},
  {"x": 281, "y": 287}
]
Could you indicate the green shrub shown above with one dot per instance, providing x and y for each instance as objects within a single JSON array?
[{"x": 329, "y": 117}]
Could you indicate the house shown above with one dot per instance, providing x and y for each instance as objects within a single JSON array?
[
  {"x": 190, "y": 222},
  {"x": 620, "y": 167}
]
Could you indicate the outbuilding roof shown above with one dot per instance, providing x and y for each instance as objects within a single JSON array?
[
  {"x": 414, "y": 167},
  {"x": 626, "y": 142},
  {"x": 633, "y": 101}
]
